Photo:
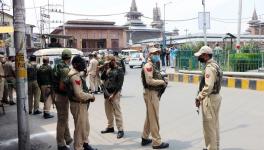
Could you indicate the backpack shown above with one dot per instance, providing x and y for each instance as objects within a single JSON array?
[{"x": 68, "y": 85}]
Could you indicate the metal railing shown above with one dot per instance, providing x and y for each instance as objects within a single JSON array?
[{"x": 228, "y": 60}]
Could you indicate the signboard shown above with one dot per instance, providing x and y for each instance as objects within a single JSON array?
[
  {"x": 201, "y": 20},
  {"x": 6, "y": 29}
]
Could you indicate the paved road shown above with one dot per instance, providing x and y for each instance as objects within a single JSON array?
[{"x": 241, "y": 119}]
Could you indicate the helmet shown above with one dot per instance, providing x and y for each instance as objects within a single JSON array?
[
  {"x": 66, "y": 54},
  {"x": 78, "y": 63},
  {"x": 32, "y": 58}
]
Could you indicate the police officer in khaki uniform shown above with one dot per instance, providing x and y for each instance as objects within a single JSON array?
[
  {"x": 92, "y": 71},
  {"x": 153, "y": 83},
  {"x": 209, "y": 97},
  {"x": 10, "y": 78},
  {"x": 2, "y": 78},
  {"x": 113, "y": 79},
  {"x": 33, "y": 88},
  {"x": 44, "y": 78},
  {"x": 60, "y": 72},
  {"x": 79, "y": 102}
]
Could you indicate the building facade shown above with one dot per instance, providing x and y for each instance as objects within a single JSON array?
[
  {"x": 90, "y": 35},
  {"x": 137, "y": 30},
  {"x": 256, "y": 26}
]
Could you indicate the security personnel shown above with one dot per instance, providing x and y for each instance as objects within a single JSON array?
[
  {"x": 113, "y": 81},
  {"x": 120, "y": 61},
  {"x": 2, "y": 78},
  {"x": 152, "y": 82},
  {"x": 33, "y": 88},
  {"x": 44, "y": 78},
  {"x": 61, "y": 71},
  {"x": 10, "y": 78},
  {"x": 209, "y": 97},
  {"x": 92, "y": 71},
  {"x": 79, "y": 101}
]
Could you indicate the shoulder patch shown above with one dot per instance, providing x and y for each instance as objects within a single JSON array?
[
  {"x": 78, "y": 82},
  {"x": 207, "y": 76},
  {"x": 149, "y": 69}
]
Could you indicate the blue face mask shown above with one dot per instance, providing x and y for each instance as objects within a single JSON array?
[{"x": 155, "y": 58}]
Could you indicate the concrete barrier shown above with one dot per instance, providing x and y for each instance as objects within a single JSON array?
[{"x": 231, "y": 82}]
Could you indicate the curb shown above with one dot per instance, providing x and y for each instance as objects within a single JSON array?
[{"x": 231, "y": 82}]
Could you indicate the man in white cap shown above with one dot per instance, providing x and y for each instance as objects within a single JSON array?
[
  {"x": 152, "y": 83},
  {"x": 209, "y": 97}
]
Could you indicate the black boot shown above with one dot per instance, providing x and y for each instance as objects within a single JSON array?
[
  {"x": 161, "y": 146},
  {"x": 145, "y": 142},
  {"x": 63, "y": 148},
  {"x": 47, "y": 115},
  {"x": 86, "y": 146},
  {"x": 37, "y": 112},
  {"x": 120, "y": 134},
  {"x": 108, "y": 130}
]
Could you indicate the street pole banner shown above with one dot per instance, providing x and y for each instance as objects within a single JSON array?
[{"x": 201, "y": 20}]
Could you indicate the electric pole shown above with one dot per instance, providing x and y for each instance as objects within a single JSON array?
[
  {"x": 204, "y": 23},
  {"x": 239, "y": 25},
  {"x": 21, "y": 75}
]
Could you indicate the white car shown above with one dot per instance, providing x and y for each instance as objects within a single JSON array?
[
  {"x": 136, "y": 59},
  {"x": 127, "y": 54}
]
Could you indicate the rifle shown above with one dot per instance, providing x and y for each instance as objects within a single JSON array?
[{"x": 162, "y": 89}]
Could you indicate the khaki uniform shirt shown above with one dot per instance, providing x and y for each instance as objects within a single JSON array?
[
  {"x": 9, "y": 68},
  {"x": 92, "y": 69},
  {"x": 148, "y": 70},
  {"x": 210, "y": 78},
  {"x": 2, "y": 72},
  {"x": 76, "y": 82}
]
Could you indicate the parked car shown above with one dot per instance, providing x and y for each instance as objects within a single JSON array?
[
  {"x": 127, "y": 54},
  {"x": 136, "y": 59},
  {"x": 54, "y": 55}
]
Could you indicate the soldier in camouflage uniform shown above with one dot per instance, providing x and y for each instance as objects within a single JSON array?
[
  {"x": 44, "y": 78},
  {"x": 79, "y": 102},
  {"x": 61, "y": 71},
  {"x": 33, "y": 87},
  {"x": 113, "y": 81},
  {"x": 209, "y": 98},
  {"x": 153, "y": 83}
]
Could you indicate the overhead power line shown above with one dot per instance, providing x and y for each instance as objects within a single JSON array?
[{"x": 179, "y": 20}]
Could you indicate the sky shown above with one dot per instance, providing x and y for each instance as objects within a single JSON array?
[{"x": 224, "y": 13}]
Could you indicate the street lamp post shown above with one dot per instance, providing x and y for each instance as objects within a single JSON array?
[
  {"x": 204, "y": 22},
  {"x": 164, "y": 36}
]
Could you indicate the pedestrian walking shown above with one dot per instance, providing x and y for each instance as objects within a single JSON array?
[
  {"x": 60, "y": 72},
  {"x": 79, "y": 102},
  {"x": 113, "y": 78},
  {"x": 209, "y": 97},
  {"x": 153, "y": 84}
]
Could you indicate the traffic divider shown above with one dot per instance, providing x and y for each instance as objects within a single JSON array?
[{"x": 231, "y": 82}]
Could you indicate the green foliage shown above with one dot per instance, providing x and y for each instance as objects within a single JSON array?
[
  {"x": 251, "y": 47},
  {"x": 242, "y": 62}
]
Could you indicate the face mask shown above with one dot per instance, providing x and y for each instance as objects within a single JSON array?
[
  {"x": 155, "y": 58},
  {"x": 201, "y": 59}
]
